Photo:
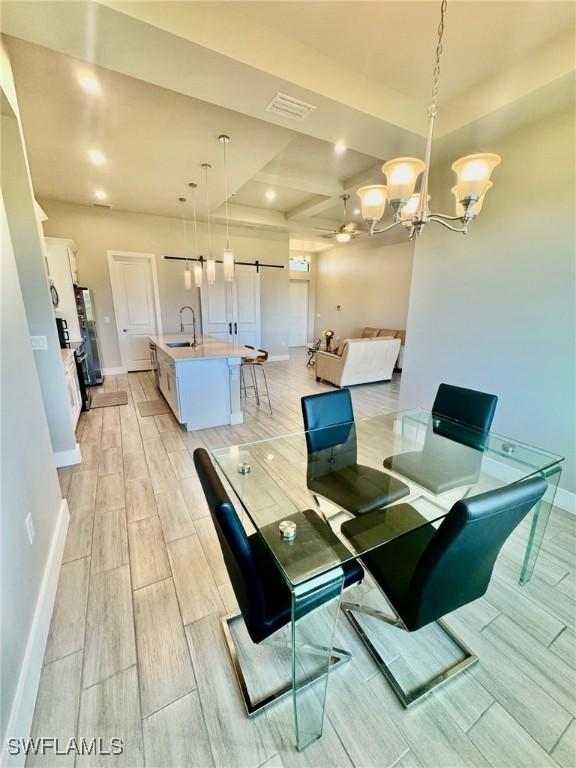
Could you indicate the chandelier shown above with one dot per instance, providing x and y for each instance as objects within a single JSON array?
[{"x": 411, "y": 209}]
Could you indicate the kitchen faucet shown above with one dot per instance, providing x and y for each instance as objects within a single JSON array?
[{"x": 182, "y": 324}]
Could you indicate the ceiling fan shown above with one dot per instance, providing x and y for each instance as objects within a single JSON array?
[{"x": 345, "y": 232}]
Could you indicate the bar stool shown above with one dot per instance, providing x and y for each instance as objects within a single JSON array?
[{"x": 255, "y": 363}]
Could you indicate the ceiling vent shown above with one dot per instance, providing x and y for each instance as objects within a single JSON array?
[
  {"x": 288, "y": 106},
  {"x": 101, "y": 205}
]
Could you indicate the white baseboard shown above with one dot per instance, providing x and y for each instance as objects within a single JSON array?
[
  {"x": 113, "y": 371},
  {"x": 566, "y": 500},
  {"x": 22, "y": 710},
  {"x": 66, "y": 458},
  {"x": 277, "y": 358}
]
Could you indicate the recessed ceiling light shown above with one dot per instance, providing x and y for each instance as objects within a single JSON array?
[
  {"x": 96, "y": 157},
  {"x": 89, "y": 83},
  {"x": 339, "y": 148},
  {"x": 270, "y": 195},
  {"x": 99, "y": 194}
]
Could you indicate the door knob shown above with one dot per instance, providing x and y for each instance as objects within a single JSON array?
[{"x": 125, "y": 330}]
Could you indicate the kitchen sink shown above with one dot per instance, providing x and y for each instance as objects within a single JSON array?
[{"x": 179, "y": 344}]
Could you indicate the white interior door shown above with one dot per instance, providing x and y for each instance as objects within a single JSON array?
[
  {"x": 298, "y": 332},
  {"x": 216, "y": 305},
  {"x": 246, "y": 306},
  {"x": 135, "y": 294}
]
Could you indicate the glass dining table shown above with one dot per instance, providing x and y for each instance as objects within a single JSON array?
[{"x": 372, "y": 471}]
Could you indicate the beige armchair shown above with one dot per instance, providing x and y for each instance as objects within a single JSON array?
[{"x": 361, "y": 361}]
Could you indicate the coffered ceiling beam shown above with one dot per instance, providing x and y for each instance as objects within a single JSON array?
[
  {"x": 247, "y": 214},
  {"x": 313, "y": 207},
  {"x": 314, "y": 185}
]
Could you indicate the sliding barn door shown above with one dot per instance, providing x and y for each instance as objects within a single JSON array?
[{"x": 231, "y": 311}]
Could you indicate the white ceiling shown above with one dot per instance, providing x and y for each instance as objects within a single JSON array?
[
  {"x": 394, "y": 42},
  {"x": 175, "y": 75},
  {"x": 155, "y": 141}
]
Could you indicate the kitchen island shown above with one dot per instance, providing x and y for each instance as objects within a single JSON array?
[{"x": 201, "y": 383}]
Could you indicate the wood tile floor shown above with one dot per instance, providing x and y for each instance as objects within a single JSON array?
[{"x": 136, "y": 650}]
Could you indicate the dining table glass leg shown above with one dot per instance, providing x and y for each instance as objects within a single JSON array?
[
  {"x": 540, "y": 516},
  {"x": 313, "y": 630}
]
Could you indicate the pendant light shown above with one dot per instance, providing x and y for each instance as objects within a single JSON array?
[
  {"x": 198, "y": 274},
  {"x": 412, "y": 209},
  {"x": 210, "y": 263},
  {"x": 228, "y": 256},
  {"x": 187, "y": 272}
]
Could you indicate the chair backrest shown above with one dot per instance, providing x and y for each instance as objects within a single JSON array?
[
  {"x": 235, "y": 545},
  {"x": 327, "y": 409},
  {"x": 456, "y": 566},
  {"x": 328, "y": 421},
  {"x": 466, "y": 405}
]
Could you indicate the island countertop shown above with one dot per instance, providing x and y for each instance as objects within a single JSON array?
[{"x": 207, "y": 348}]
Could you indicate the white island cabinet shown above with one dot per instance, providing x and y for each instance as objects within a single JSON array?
[{"x": 201, "y": 384}]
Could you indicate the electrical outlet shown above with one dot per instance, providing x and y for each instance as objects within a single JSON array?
[
  {"x": 106, "y": 320},
  {"x": 39, "y": 342},
  {"x": 30, "y": 527}
]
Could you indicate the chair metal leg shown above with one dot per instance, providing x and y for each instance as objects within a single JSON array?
[
  {"x": 407, "y": 699},
  {"x": 253, "y": 708}
]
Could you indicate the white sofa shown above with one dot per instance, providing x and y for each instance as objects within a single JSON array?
[{"x": 358, "y": 361}]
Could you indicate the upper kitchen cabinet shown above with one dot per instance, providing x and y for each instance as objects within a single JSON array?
[{"x": 61, "y": 255}]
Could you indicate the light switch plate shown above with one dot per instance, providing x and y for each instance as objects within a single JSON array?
[{"x": 39, "y": 342}]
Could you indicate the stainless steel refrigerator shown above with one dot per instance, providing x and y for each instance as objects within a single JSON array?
[{"x": 85, "y": 307}]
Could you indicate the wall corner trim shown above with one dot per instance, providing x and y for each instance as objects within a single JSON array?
[
  {"x": 66, "y": 458},
  {"x": 22, "y": 710}
]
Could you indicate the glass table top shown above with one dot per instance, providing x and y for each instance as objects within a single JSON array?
[{"x": 359, "y": 485}]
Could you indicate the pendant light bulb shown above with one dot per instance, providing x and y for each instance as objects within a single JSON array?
[
  {"x": 210, "y": 271},
  {"x": 228, "y": 255},
  {"x": 187, "y": 273},
  {"x": 210, "y": 263},
  {"x": 228, "y": 265},
  {"x": 198, "y": 275}
]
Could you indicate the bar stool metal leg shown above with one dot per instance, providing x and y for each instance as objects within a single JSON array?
[
  {"x": 267, "y": 390},
  {"x": 255, "y": 384}
]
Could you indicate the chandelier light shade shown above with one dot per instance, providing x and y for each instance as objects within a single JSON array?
[
  {"x": 411, "y": 208},
  {"x": 473, "y": 174},
  {"x": 372, "y": 201},
  {"x": 187, "y": 277},
  {"x": 402, "y": 175},
  {"x": 343, "y": 237},
  {"x": 228, "y": 255},
  {"x": 474, "y": 209}
]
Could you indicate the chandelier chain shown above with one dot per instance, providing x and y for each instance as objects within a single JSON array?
[{"x": 436, "y": 76}]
